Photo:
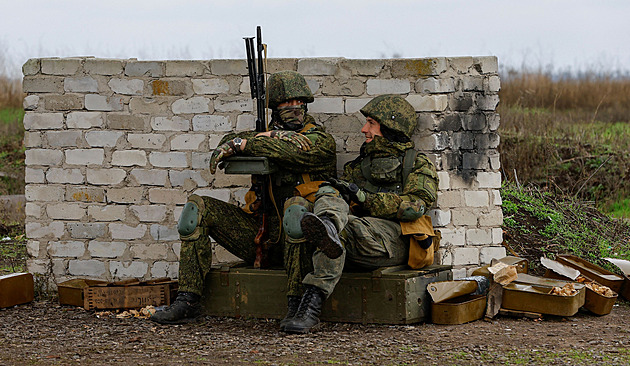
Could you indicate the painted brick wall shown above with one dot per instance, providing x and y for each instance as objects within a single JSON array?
[{"x": 114, "y": 147}]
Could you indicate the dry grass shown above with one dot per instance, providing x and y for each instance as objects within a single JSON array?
[{"x": 11, "y": 95}]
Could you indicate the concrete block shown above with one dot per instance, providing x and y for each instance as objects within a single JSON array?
[
  {"x": 472, "y": 83},
  {"x": 228, "y": 67},
  {"x": 434, "y": 85},
  {"x": 493, "y": 121},
  {"x": 65, "y": 66},
  {"x": 476, "y": 198},
  {"x": 85, "y": 194},
  {"x": 146, "y": 140},
  {"x": 492, "y": 218},
  {"x": 456, "y": 237},
  {"x": 149, "y": 105},
  {"x": 459, "y": 273},
  {"x": 106, "y": 249},
  {"x": 32, "y": 139},
  {"x": 126, "y": 122},
  {"x": 460, "y": 102},
  {"x": 486, "y": 64},
  {"x": 495, "y": 161},
  {"x": 149, "y": 251},
  {"x": 95, "y": 102},
  {"x": 43, "y": 193},
  {"x": 201, "y": 160},
  {"x": 234, "y": 104},
  {"x": 65, "y": 211},
  {"x": 129, "y": 158},
  {"x": 64, "y": 102},
  {"x": 42, "y": 84},
  {"x": 149, "y": 213},
  {"x": 460, "y": 65},
  {"x": 135, "y": 269},
  {"x": 436, "y": 141},
  {"x": 65, "y": 176},
  {"x": 465, "y": 256},
  {"x": 449, "y": 199},
  {"x": 125, "y": 195},
  {"x": 64, "y": 138},
  {"x": 42, "y": 121},
  {"x": 313, "y": 85},
  {"x": 152, "y": 177},
  {"x": 497, "y": 235},
  {"x": 182, "y": 87},
  {"x": 36, "y": 230},
  {"x": 418, "y": 67},
  {"x": 210, "y": 86},
  {"x": 86, "y": 230},
  {"x": 108, "y": 176},
  {"x": 488, "y": 179},
  {"x": 144, "y": 68},
  {"x": 185, "y": 68},
  {"x": 191, "y": 105},
  {"x": 82, "y": 84},
  {"x": 165, "y": 269},
  {"x": 439, "y": 218},
  {"x": 363, "y": 67},
  {"x": 388, "y": 86},
  {"x": 85, "y": 156},
  {"x": 167, "y": 196},
  {"x": 353, "y": 105},
  {"x": 31, "y": 67},
  {"x": 126, "y": 86},
  {"x": 47, "y": 157},
  {"x": 220, "y": 194},
  {"x": 245, "y": 122},
  {"x": 327, "y": 105},
  {"x": 164, "y": 233},
  {"x": 103, "y": 66},
  {"x": 488, "y": 102},
  {"x": 346, "y": 87},
  {"x": 474, "y": 122},
  {"x": 494, "y": 84},
  {"x": 103, "y": 138},
  {"x": 72, "y": 249},
  {"x": 107, "y": 213},
  {"x": 478, "y": 236},
  {"x": 445, "y": 256},
  {"x": 475, "y": 161},
  {"x": 34, "y": 175},
  {"x": 212, "y": 123},
  {"x": 175, "y": 123},
  {"x": 427, "y": 121},
  {"x": 230, "y": 180},
  {"x": 495, "y": 197},
  {"x": 428, "y": 103},
  {"x": 318, "y": 66},
  {"x": 87, "y": 267},
  {"x": 85, "y": 120},
  {"x": 179, "y": 178},
  {"x": 30, "y": 102},
  {"x": 464, "y": 217},
  {"x": 444, "y": 180},
  {"x": 187, "y": 142},
  {"x": 487, "y": 254},
  {"x": 487, "y": 141},
  {"x": 127, "y": 232},
  {"x": 168, "y": 159},
  {"x": 33, "y": 248}
]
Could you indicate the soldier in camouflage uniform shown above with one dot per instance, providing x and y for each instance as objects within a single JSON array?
[
  {"x": 297, "y": 145},
  {"x": 359, "y": 215}
]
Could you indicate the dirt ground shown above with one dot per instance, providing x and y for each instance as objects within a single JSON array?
[{"x": 44, "y": 333}]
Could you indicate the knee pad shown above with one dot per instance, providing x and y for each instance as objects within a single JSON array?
[
  {"x": 327, "y": 191},
  {"x": 291, "y": 221},
  {"x": 188, "y": 223}
]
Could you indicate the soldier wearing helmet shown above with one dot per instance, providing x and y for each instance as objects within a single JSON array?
[
  {"x": 303, "y": 152},
  {"x": 372, "y": 217}
]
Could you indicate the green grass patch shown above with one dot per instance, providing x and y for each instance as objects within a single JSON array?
[{"x": 11, "y": 151}]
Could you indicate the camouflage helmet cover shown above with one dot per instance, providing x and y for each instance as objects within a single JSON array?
[
  {"x": 392, "y": 111},
  {"x": 285, "y": 85}
]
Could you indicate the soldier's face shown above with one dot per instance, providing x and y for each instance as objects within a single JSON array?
[
  {"x": 290, "y": 103},
  {"x": 370, "y": 129}
]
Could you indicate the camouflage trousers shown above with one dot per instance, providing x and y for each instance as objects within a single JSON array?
[
  {"x": 230, "y": 227},
  {"x": 369, "y": 243}
]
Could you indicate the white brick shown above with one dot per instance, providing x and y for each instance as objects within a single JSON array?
[
  {"x": 245, "y": 122},
  {"x": 100, "y": 249},
  {"x": 445, "y": 256},
  {"x": 103, "y": 138},
  {"x": 187, "y": 142},
  {"x": 35, "y": 230},
  {"x": 317, "y": 66},
  {"x": 39, "y": 266},
  {"x": 149, "y": 213},
  {"x": 489, "y": 253},
  {"x": 165, "y": 269},
  {"x": 435, "y": 85},
  {"x": 444, "y": 180},
  {"x": 327, "y": 105},
  {"x": 146, "y": 141},
  {"x": 42, "y": 121},
  {"x": 185, "y": 68},
  {"x": 122, "y": 231},
  {"x": 488, "y": 64},
  {"x": 32, "y": 248},
  {"x": 220, "y": 194},
  {"x": 192, "y": 105},
  {"x": 109, "y": 176},
  {"x": 355, "y": 105},
  {"x": 388, "y": 86},
  {"x": 202, "y": 160},
  {"x": 239, "y": 195},
  {"x": 125, "y": 195},
  {"x": 489, "y": 179},
  {"x": 164, "y": 233},
  {"x": 440, "y": 218},
  {"x": 85, "y": 84},
  {"x": 149, "y": 251},
  {"x": 496, "y": 197},
  {"x": 167, "y": 196},
  {"x": 458, "y": 182},
  {"x": 91, "y": 268},
  {"x": 85, "y": 120},
  {"x": 464, "y": 217},
  {"x": 488, "y": 102},
  {"x": 461, "y": 64},
  {"x": 85, "y": 156},
  {"x": 95, "y": 102},
  {"x": 497, "y": 235},
  {"x": 43, "y": 193},
  {"x": 153, "y": 177},
  {"x": 211, "y": 123},
  {"x": 492, "y": 218},
  {"x": 175, "y": 123},
  {"x": 66, "y": 248},
  {"x": 238, "y": 105},
  {"x": 67, "y": 176},
  {"x": 103, "y": 66},
  {"x": 463, "y": 256},
  {"x": 65, "y": 211},
  {"x": 179, "y": 178},
  {"x": 435, "y": 141},
  {"x": 168, "y": 160},
  {"x": 107, "y": 213},
  {"x": 134, "y": 269},
  {"x": 129, "y": 158},
  {"x": 43, "y": 157},
  {"x": 210, "y": 86},
  {"x": 494, "y": 84},
  {"x": 459, "y": 273},
  {"x": 127, "y": 86},
  {"x": 476, "y": 198},
  {"x": 82, "y": 230},
  {"x": 428, "y": 103},
  {"x": 33, "y": 209},
  {"x": 455, "y": 237},
  {"x": 32, "y": 139},
  {"x": 63, "y": 138},
  {"x": 56, "y": 66},
  {"x": 478, "y": 236}
]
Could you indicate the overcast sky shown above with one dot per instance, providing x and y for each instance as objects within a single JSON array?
[{"x": 576, "y": 34}]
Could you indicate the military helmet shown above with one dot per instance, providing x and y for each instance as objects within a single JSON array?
[
  {"x": 285, "y": 85},
  {"x": 393, "y": 112}
]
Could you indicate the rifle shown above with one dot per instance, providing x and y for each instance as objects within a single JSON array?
[{"x": 260, "y": 182}]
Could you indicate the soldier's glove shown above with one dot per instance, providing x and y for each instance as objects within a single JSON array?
[
  {"x": 223, "y": 151},
  {"x": 349, "y": 191},
  {"x": 301, "y": 141}
]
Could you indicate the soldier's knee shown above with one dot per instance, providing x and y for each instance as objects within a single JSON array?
[
  {"x": 327, "y": 191},
  {"x": 189, "y": 222},
  {"x": 294, "y": 209}
]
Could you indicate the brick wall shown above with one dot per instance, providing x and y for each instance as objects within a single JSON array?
[{"x": 114, "y": 147}]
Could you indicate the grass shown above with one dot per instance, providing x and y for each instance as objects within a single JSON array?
[
  {"x": 11, "y": 151},
  {"x": 12, "y": 249}
]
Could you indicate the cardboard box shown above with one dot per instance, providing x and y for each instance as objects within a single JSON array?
[{"x": 16, "y": 289}]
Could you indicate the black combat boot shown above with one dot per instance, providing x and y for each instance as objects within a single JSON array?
[
  {"x": 307, "y": 315},
  {"x": 293, "y": 304},
  {"x": 322, "y": 232},
  {"x": 185, "y": 309}
]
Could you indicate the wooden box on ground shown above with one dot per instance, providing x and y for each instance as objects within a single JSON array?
[
  {"x": 130, "y": 294},
  {"x": 390, "y": 295},
  {"x": 460, "y": 310},
  {"x": 16, "y": 289}
]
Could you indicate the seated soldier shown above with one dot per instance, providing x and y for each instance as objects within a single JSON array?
[
  {"x": 361, "y": 219},
  {"x": 301, "y": 149}
]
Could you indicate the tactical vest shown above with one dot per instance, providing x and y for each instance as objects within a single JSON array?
[{"x": 388, "y": 174}]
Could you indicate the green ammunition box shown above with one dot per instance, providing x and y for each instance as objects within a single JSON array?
[
  {"x": 249, "y": 165},
  {"x": 389, "y": 295}
]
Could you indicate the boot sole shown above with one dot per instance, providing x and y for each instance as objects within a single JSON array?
[
  {"x": 177, "y": 322},
  {"x": 315, "y": 232},
  {"x": 301, "y": 330}
]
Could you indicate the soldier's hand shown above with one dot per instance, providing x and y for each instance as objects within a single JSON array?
[
  {"x": 349, "y": 191},
  {"x": 220, "y": 153},
  {"x": 301, "y": 141}
]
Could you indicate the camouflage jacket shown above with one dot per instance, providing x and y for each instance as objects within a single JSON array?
[{"x": 420, "y": 188}]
